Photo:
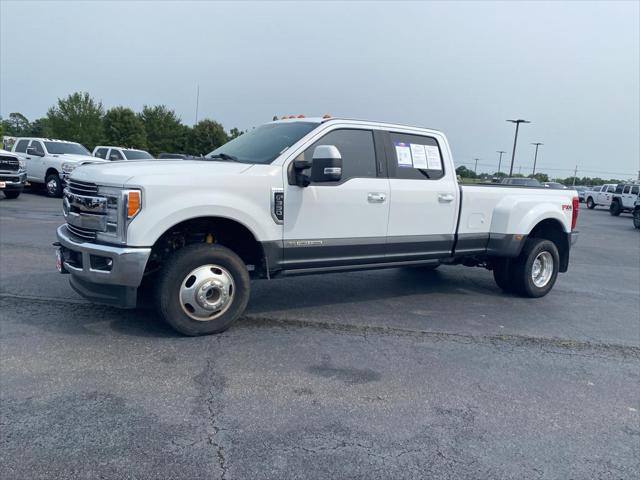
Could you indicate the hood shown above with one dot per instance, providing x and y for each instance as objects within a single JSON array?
[
  {"x": 67, "y": 157},
  {"x": 118, "y": 174}
]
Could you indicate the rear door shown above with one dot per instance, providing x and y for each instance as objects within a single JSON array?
[
  {"x": 424, "y": 198},
  {"x": 339, "y": 223}
]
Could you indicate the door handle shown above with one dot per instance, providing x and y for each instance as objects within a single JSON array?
[
  {"x": 376, "y": 197},
  {"x": 445, "y": 197}
]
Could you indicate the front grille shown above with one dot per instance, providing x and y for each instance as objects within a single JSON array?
[
  {"x": 9, "y": 164},
  {"x": 83, "y": 233},
  {"x": 82, "y": 188},
  {"x": 9, "y": 178}
]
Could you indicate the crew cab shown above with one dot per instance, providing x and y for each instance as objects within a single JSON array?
[
  {"x": 600, "y": 195},
  {"x": 120, "y": 153},
  {"x": 12, "y": 174},
  {"x": 299, "y": 196},
  {"x": 48, "y": 161},
  {"x": 624, "y": 198}
]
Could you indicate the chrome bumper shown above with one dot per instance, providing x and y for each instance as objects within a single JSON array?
[
  {"x": 13, "y": 178},
  {"x": 102, "y": 264}
]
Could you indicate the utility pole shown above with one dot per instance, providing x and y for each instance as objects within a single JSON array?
[
  {"x": 475, "y": 168},
  {"x": 535, "y": 158},
  {"x": 520, "y": 170},
  {"x": 575, "y": 174},
  {"x": 515, "y": 141},
  {"x": 500, "y": 159},
  {"x": 197, "y": 102}
]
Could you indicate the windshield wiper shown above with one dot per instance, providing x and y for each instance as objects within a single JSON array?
[{"x": 224, "y": 156}]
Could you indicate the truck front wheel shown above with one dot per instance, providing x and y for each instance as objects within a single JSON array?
[
  {"x": 203, "y": 289},
  {"x": 536, "y": 269},
  {"x": 53, "y": 185},
  {"x": 590, "y": 203}
]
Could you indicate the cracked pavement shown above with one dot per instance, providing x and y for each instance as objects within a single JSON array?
[{"x": 386, "y": 374}]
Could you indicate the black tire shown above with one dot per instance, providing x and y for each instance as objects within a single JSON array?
[
  {"x": 53, "y": 185},
  {"x": 521, "y": 273},
  {"x": 502, "y": 274},
  {"x": 636, "y": 218},
  {"x": 176, "y": 275},
  {"x": 590, "y": 203},
  {"x": 12, "y": 194},
  {"x": 615, "y": 208}
]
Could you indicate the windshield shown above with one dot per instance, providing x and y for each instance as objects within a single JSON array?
[
  {"x": 60, "y": 148},
  {"x": 265, "y": 143},
  {"x": 136, "y": 155}
]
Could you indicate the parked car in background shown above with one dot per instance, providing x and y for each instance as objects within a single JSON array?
[
  {"x": 48, "y": 161},
  {"x": 624, "y": 198},
  {"x": 522, "y": 182},
  {"x": 112, "y": 153},
  {"x": 12, "y": 174},
  {"x": 581, "y": 189},
  {"x": 636, "y": 213},
  {"x": 600, "y": 195},
  {"x": 555, "y": 185}
]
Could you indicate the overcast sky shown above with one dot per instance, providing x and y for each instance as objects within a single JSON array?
[{"x": 572, "y": 68}]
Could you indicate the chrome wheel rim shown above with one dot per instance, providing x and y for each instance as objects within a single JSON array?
[
  {"x": 52, "y": 186},
  {"x": 206, "y": 293},
  {"x": 542, "y": 269}
]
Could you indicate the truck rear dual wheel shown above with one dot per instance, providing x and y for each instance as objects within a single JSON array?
[
  {"x": 533, "y": 273},
  {"x": 203, "y": 289}
]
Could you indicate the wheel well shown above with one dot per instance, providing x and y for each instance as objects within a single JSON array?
[
  {"x": 50, "y": 171},
  {"x": 222, "y": 231},
  {"x": 551, "y": 229}
]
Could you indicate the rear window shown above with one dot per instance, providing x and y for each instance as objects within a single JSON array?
[
  {"x": 626, "y": 189},
  {"x": 611, "y": 188},
  {"x": 415, "y": 157},
  {"x": 21, "y": 146},
  {"x": 635, "y": 190},
  {"x": 619, "y": 188},
  {"x": 102, "y": 153}
]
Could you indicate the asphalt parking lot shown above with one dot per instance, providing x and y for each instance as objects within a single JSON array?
[{"x": 388, "y": 374}]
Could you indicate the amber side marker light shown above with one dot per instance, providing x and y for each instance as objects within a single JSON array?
[{"x": 133, "y": 203}]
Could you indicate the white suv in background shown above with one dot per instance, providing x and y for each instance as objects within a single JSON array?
[
  {"x": 48, "y": 161},
  {"x": 120, "y": 153},
  {"x": 600, "y": 195}
]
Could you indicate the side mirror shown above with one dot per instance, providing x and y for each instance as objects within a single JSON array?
[
  {"x": 33, "y": 151},
  {"x": 327, "y": 164}
]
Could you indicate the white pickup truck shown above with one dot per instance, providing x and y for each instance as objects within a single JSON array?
[
  {"x": 600, "y": 195},
  {"x": 49, "y": 161},
  {"x": 299, "y": 196}
]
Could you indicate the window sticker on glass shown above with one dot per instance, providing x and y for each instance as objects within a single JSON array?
[
  {"x": 433, "y": 157},
  {"x": 403, "y": 152},
  {"x": 419, "y": 156}
]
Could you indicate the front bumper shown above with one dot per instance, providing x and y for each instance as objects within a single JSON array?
[
  {"x": 103, "y": 273},
  {"x": 13, "y": 181}
]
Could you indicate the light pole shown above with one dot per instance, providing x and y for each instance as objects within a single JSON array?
[
  {"x": 475, "y": 168},
  {"x": 535, "y": 158},
  {"x": 500, "y": 159},
  {"x": 515, "y": 141}
]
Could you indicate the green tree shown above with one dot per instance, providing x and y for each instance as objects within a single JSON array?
[
  {"x": 235, "y": 133},
  {"x": 40, "y": 128},
  {"x": 205, "y": 136},
  {"x": 465, "y": 172},
  {"x": 165, "y": 132},
  {"x": 78, "y": 118},
  {"x": 16, "y": 125},
  {"x": 541, "y": 177},
  {"x": 124, "y": 128}
]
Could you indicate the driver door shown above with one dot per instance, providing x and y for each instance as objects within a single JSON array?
[{"x": 344, "y": 222}]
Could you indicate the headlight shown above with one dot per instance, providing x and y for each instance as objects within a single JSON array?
[
  {"x": 122, "y": 207},
  {"x": 69, "y": 167},
  {"x": 21, "y": 164}
]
